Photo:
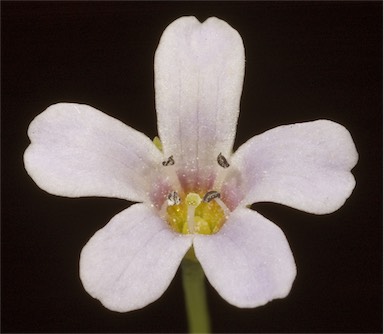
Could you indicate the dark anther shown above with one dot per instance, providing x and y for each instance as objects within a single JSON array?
[
  {"x": 222, "y": 161},
  {"x": 169, "y": 161},
  {"x": 173, "y": 198},
  {"x": 210, "y": 195}
]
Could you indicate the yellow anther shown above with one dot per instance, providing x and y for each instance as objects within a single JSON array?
[{"x": 158, "y": 143}]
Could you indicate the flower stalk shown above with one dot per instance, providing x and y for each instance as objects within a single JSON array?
[{"x": 195, "y": 297}]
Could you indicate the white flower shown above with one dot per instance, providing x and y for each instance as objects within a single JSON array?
[{"x": 192, "y": 189}]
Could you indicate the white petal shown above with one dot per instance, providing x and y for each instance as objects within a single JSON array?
[
  {"x": 77, "y": 150},
  {"x": 199, "y": 71},
  {"x": 130, "y": 262},
  {"x": 306, "y": 166},
  {"x": 248, "y": 261}
]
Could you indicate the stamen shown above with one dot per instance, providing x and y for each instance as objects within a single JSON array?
[
  {"x": 214, "y": 195},
  {"x": 193, "y": 200},
  {"x": 222, "y": 161},
  {"x": 223, "y": 207},
  {"x": 210, "y": 195},
  {"x": 169, "y": 161},
  {"x": 173, "y": 198}
]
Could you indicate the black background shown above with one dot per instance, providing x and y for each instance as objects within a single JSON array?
[{"x": 305, "y": 61}]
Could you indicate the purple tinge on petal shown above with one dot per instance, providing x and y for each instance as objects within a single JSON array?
[
  {"x": 195, "y": 180},
  {"x": 232, "y": 190},
  {"x": 161, "y": 187}
]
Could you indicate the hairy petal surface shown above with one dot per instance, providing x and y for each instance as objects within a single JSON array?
[
  {"x": 130, "y": 262},
  {"x": 249, "y": 261},
  {"x": 77, "y": 150},
  {"x": 199, "y": 72},
  {"x": 305, "y": 166}
]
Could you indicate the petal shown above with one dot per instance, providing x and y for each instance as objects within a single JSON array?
[
  {"x": 306, "y": 166},
  {"x": 199, "y": 72},
  {"x": 248, "y": 261},
  {"x": 130, "y": 262},
  {"x": 77, "y": 150}
]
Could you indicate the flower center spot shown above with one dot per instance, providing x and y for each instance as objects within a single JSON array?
[{"x": 194, "y": 214}]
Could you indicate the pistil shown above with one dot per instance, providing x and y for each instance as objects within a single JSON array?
[{"x": 193, "y": 201}]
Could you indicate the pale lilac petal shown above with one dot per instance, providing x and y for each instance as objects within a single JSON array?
[
  {"x": 130, "y": 262},
  {"x": 77, "y": 150},
  {"x": 199, "y": 71},
  {"x": 249, "y": 261},
  {"x": 306, "y": 166}
]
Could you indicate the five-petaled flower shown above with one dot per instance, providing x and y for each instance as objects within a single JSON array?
[{"x": 192, "y": 191}]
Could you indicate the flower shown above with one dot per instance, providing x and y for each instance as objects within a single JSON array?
[{"x": 191, "y": 189}]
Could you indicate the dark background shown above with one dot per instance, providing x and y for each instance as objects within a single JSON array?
[{"x": 305, "y": 61}]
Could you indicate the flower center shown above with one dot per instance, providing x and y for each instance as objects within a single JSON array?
[
  {"x": 201, "y": 212},
  {"x": 194, "y": 214}
]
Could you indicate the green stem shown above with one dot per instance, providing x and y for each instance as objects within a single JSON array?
[{"x": 195, "y": 298}]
